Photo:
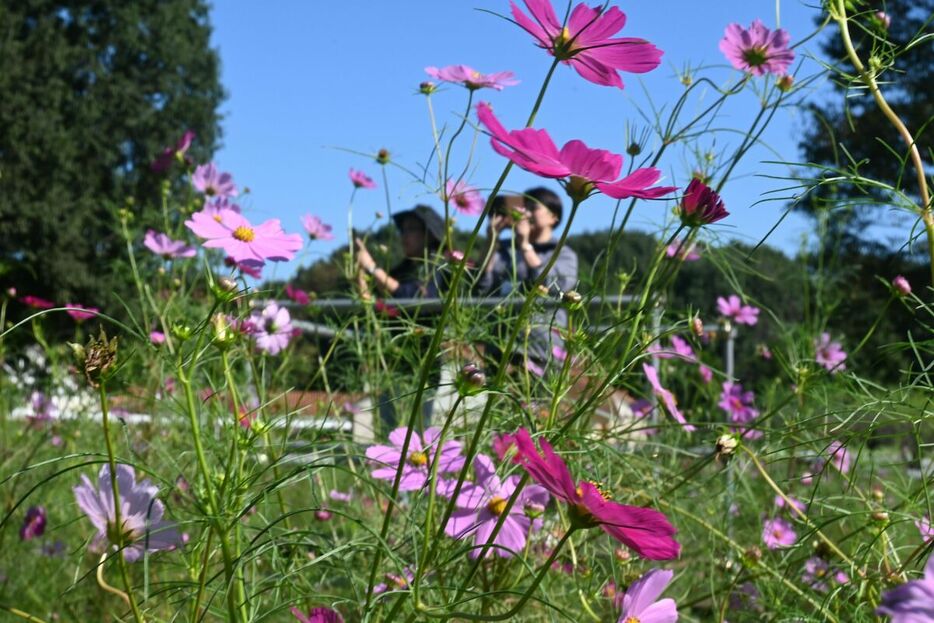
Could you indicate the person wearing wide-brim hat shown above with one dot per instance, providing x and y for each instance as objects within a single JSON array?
[{"x": 421, "y": 232}]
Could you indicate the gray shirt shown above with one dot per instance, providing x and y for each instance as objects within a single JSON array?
[{"x": 506, "y": 278}]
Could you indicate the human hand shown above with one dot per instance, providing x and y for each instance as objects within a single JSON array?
[
  {"x": 364, "y": 259},
  {"x": 522, "y": 229},
  {"x": 497, "y": 223}
]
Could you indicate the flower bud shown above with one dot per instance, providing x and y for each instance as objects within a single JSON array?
[
  {"x": 470, "y": 380},
  {"x": 697, "y": 326},
  {"x": 224, "y": 334},
  {"x": 901, "y": 285},
  {"x": 752, "y": 555},
  {"x": 11, "y": 292},
  {"x": 181, "y": 332},
  {"x": 322, "y": 515},
  {"x": 785, "y": 83},
  {"x": 622, "y": 555},
  {"x": 878, "y": 493},
  {"x": 427, "y": 87},
  {"x": 634, "y": 149},
  {"x": 727, "y": 444},
  {"x": 572, "y": 299},
  {"x": 883, "y": 19},
  {"x": 880, "y": 516},
  {"x": 541, "y": 290},
  {"x": 533, "y": 510},
  {"x": 97, "y": 359},
  {"x": 382, "y": 156}
]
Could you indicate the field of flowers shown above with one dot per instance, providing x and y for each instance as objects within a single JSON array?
[{"x": 164, "y": 464}]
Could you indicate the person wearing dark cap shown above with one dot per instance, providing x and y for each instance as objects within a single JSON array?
[
  {"x": 421, "y": 232},
  {"x": 516, "y": 264}
]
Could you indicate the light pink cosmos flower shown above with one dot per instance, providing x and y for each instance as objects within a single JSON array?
[
  {"x": 361, "y": 180},
  {"x": 416, "y": 464},
  {"x": 79, "y": 312},
  {"x": 579, "y": 168},
  {"x": 829, "y": 354},
  {"x": 732, "y": 307},
  {"x": 685, "y": 253},
  {"x": 340, "y": 496},
  {"x": 143, "y": 526},
  {"x": 466, "y": 199},
  {"x": 778, "y": 533},
  {"x": 738, "y": 406},
  {"x": 679, "y": 349},
  {"x": 926, "y": 528},
  {"x": 243, "y": 241},
  {"x": 42, "y": 407},
  {"x": 245, "y": 268},
  {"x": 271, "y": 328},
  {"x": 641, "y": 602},
  {"x": 157, "y": 337},
  {"x": 795, "y": 503},
  {"x": 471, "y": 78},
  {"x": 705, "y": 372},
  {"x": 208, "y": 180},
  {"x": 162, "y": 245},
  {"x": 316, "y": 228},
  {"x": 757, "y": 50},
  {"x": 585, "y": 42},
  {"x": 480, "y": 505},
  {"x": 644, "y": 530},
  {"x": 840, "y": 457},
  {"x": 668, "y": 399}
]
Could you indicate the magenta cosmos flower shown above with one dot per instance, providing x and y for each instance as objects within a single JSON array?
[
  {"x": 668, "y": 399},
  {"x": 480, "y": 505},
  {"x": 757, "y": 50},
  {"x": 208, "y": 180},
  {"x": 317, "y": 230},
  {"x": 361, "y": 180},
  {"x": 140, "y": 513},
  {"x": 701, "y": 205},
  {"x": 318, "y": 615},
  {"x": 33, "y": 524},
  {"x": 162, "y": 245},
  {"x": 586, "y": 43},
  {"x": 297, "y": 295},
  {"x": 829, "y": 354},
  {"x": 732, "y": 307},
  {"x": 271, "y": 328},
  {"x": 738, "y": 406},
  {"x": 79, "y": 312},
  {"x": 241, "y": 240},
  {"x": 641, "y": 603},
  {"x": 645, "y": 530},
  {"x": 778, "y": 533},
  {"x": 466, "y": 199},
  {"x": 912, "y": 602},
  {"x": 36, "y": 302},
  {"x": 471, "y": 78},
  {"x": 170, "y": 154},
  {"x": 580, "y": 168},
  {"x": 416, "y": 463}
]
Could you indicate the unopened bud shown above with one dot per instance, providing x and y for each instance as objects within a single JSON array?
[
  {"x": 785, "y": 83},
  {"x": 471, "y": 379},
  {"x": 727, "y": 444},
  {"x": 697, "y": 326},
  {"x": 542, "y": 290},
  {"x": 533, "y": 510},
  {"x": 572, "y": 299},
  {"x": 11, "y": 292},
  {"x": 382, "y": 156},
  {"x": 901, "y": 285},
  {"x": 880, "y": 516},
  {"x": 181, "y": 331},
  {"x": 622, "y": 555},
  {"x": 752, "y": 555},
  {"x": 878, "y": 493},
  {"x": 97, "y": 359},
  {"x": 125, "y": 216},
  {"x": 427, "y": 87},
  {"x": 322, "y": 515},
  {"x": 634, "y": 149},
  {"x": 224, "y": 335}
]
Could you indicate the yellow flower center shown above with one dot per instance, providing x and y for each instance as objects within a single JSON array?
[
  {"x": 496, "y": 506},
  {"x": 475, "y": 75},
  {"x": 244, "y": 234},
  {"x": 631, "y": 620},
  {"x": 418, "y": 459}
]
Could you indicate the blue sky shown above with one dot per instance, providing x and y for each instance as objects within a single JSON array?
[{"x": 308, "y": 80}]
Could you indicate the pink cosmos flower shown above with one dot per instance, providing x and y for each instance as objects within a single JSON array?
[
  {"x": 926, "y": 528},
  {"x": 580, "y": 168},
  {"x": 36, "y": 302},
  {"x": 208, "y": 180},
  {"x": 885, "y": 20},
  {"x": 757, "y": 50},
  {"x": 706, "y": 373},
  {"x": 480, "y": 504},
  {"x": 397, "y": 582},
  {"x": 161, "y": 244},
  {"x": 79, "y": 312},
  {"x": 668, "y": 399},
  {"x": 534, "y": 368},
  {"x": 817, "y": 573},
  {"x": 416, "y": 464},
  {"x": 42, "y": 407},
  {"x": 243, "y": 241},
  {"x": 502, "y": 444},
  {"x": 679, "y": 349},
  {"x": 829, "y": 354},
  {"x": 840, "y": 457},
  {"x": 317, "y": 230},
  {"x": 361, "y": 180},
  {"x": 164, "y": 160},
  {"x": 157, "y": 337},
  {"x": 685, "y": 253},
  {"x": 585, "y": 42},
  {"x": 912, "y": 602},
  {"x": 701, "y": 205},
  {"x": 466, "y": 199},
  {"x": 901, "y": 285},
  {"x": 245, "y": 268},
  {"x": 340, "y": 496},
  {"x": 732, "y": 307},
  {"x": 644, "y": 530},
  {"x": 795, "y": 503},
  {"x": 778, "y": 533},
  {"x": 296, "y": 294},
  {"x": 271, "y": 328},
  {"x": 641, "y": 602},
  {"x": 214, "y": 205},
  {"x": 141, "y": 512},
  {"x": 317, "y": 615},
  {"x": 471, "y": 78},
  {"x": 738, "y": 406},
  {"x": 33, "y": 524}
]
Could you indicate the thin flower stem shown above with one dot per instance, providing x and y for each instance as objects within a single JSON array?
[
  {"x": 447, "y": 157},
  {"x": 21, "y": 614},
  {"x": 869, "y": 78},
  {"x": 118, "y": 520},
  {"x": 202, "y": 578},
  {"x": 522, "y": 600},
  {"x": 794, "y": 508}
]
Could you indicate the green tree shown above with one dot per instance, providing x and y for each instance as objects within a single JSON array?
[{"x": 92, "y": 91}]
